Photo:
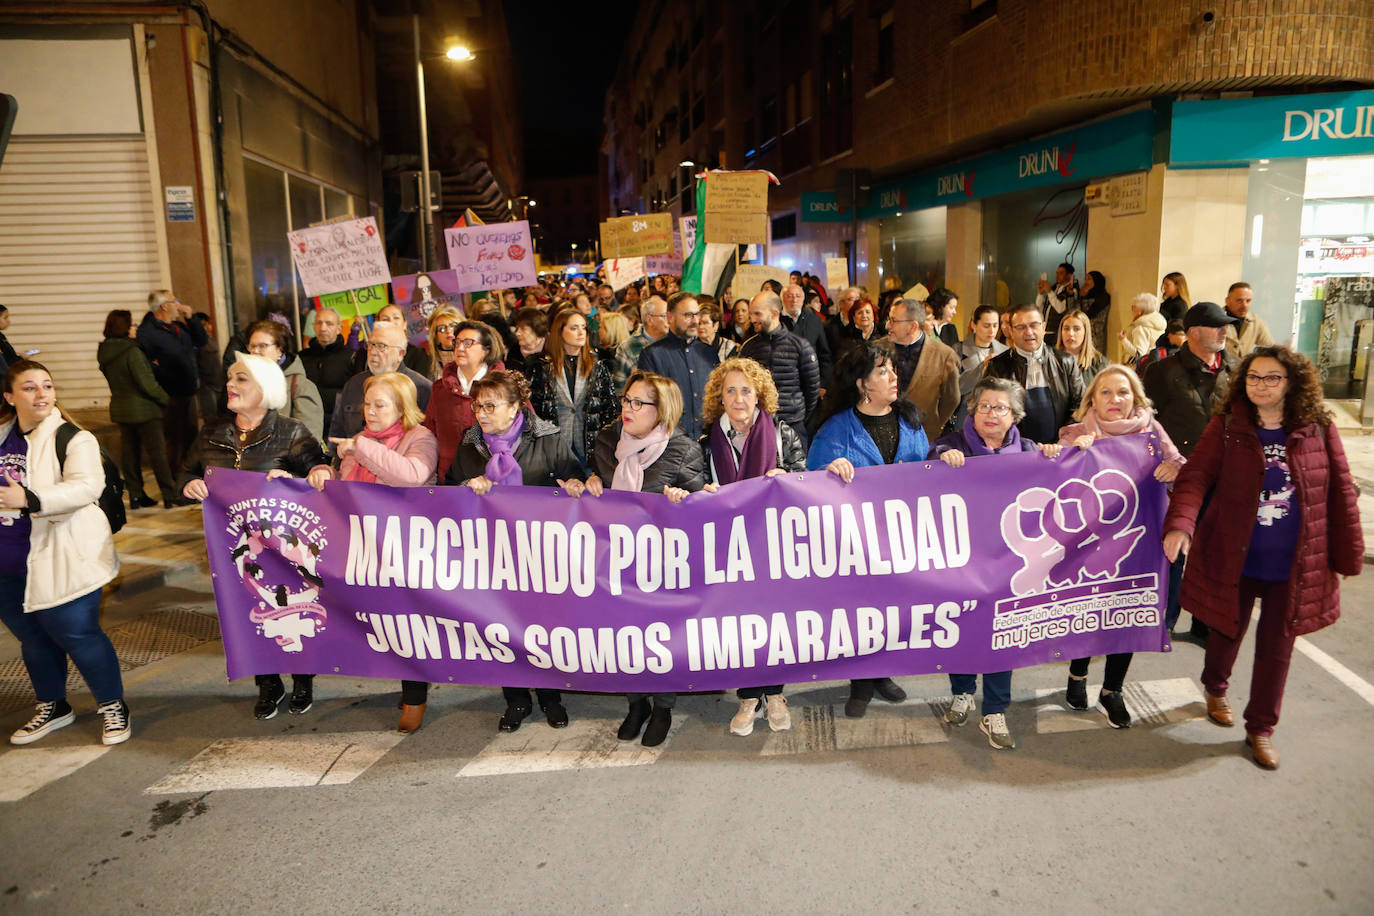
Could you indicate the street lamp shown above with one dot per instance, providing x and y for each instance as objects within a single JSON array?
[{"x": 457, "y": 53}]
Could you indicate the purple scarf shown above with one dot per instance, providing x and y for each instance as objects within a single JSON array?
[
  {"x": 976, "y": 445},
  {"x": 758, "y": 456},
  {"x": 501, "y": 466}
]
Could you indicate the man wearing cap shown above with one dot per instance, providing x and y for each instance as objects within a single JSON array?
[
  {"x": 1185, "y": 388},
  {"x": 1250, "y": 331}
]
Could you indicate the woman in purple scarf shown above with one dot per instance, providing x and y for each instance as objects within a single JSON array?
[
  {"x": 742, "y": 440},
  {"x": 510, "y": 446},
  {"x": 994, "y": 408}
]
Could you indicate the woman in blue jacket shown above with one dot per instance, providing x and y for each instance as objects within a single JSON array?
[{"x": 865, "y": 423}]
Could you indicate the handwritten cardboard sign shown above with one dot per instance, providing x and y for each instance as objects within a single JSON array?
[
  {"x": 419, "y": 295},
  {"x": 621, "y": 272},
  {"x": 737, "y": 228},
  {"x": 749, "y": 278},
  {"x": 633, "y": 236},
  {"x": 736, "y": 192},
  {"x": 338, "y": 257},
  {"x": 689, "y": 233},
  {"x": 836, "y": 273},
  {"x": 495, "y": 256}
]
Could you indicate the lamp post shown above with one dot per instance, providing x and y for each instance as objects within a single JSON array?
[{"x": 427, "y": 221}]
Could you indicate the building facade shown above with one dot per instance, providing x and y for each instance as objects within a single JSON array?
[{"x": 977, "y": 144}]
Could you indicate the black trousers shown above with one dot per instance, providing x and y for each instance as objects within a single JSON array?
[
  {"x": 1115, "y": 675},
  {"x": 520, "y": 696},
  {"x": 179, "y": 426},
  {"x": 758, "y": 693},
  {"x": 135, "y": 440}
]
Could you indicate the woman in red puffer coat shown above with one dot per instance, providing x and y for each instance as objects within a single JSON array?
[{"x": 1278, "y": 525}]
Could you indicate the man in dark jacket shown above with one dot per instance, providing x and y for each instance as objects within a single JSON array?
[
  {"x": 681, "y": 356},
  {"x": 385, "y": 352},
  {"x": 329, "y": 361},
  {"x": 807, "y": 325},
  {"x": 170, "y": 335},
  {"x": 1054, "y": 386},
  {"x": 1187, "y": 386},
  {"x": 788, "y": 358}
]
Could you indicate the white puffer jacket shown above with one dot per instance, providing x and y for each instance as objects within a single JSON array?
[{"x": 71, "y": 550}]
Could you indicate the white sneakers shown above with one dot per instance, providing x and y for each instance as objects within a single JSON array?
[
  {"x": 995, "y": 727},
  {"x": 959, "y": 709},
  {"x": 775, "y": 708}
]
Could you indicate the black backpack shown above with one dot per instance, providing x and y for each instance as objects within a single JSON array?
[{"x": 112, "y": 496}]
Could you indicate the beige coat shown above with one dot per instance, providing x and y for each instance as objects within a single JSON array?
[
  {"x": 1141, "y": 335},
  {"x": 71, "y": 550},
  {"x": 935, "y": 386}
]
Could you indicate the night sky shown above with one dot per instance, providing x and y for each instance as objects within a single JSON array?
[{"x": 567, "y": 53}]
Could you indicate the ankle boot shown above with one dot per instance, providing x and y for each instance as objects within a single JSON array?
[{"x": 634, "y": 720}]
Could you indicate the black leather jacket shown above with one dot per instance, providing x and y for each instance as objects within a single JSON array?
[
  {"x": 543, "y": 456},
  {"x": 277, "y": 443},
  {"x": 1061, "y": 374}
]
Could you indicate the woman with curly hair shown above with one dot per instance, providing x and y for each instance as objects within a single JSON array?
[
  {"x": 1279, "y": 526},
  {"x": 743, "y": 439}
]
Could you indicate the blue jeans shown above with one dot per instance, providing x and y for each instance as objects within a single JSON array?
[
  {"x": 996, "y": 689},
  {"x": 50, "y": 636}
]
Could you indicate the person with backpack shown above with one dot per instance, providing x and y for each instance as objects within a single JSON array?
[{"x": 56, "y": 552}]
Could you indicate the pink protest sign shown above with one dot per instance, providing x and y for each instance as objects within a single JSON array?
[{"x": 491, "y": 257}]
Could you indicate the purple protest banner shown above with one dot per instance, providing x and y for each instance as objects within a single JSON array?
[
  {"x": 1006, "y": 562},
  {"x": 494, "y": 256}
]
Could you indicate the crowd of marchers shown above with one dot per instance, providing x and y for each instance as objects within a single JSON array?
[{"x": 650, "y": 388}]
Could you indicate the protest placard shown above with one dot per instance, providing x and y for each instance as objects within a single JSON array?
[
  {"x": 917, "y": 292},
  {"x": 621, "y": 272},
  {"x": 419, "y": 295},
  {"x": 663, "y": 264},
  {"x": 836, "y": 273},
  {"x": 634, "y": 236},
  {"x": 689, "y": 233},
  {"x": 737, "y": 228},
  {"x": 338, "y": 257},
  {"x": 736, "y": 192},
  {"x": 749, "y": 278},
  {"x": 491, "y": 257}
]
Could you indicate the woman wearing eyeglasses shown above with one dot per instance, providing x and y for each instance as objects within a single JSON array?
[
  {"x": 477, "y": 350},
  {"x": 646, "y": 452},
  {"x": 995, "y": 406},
  {"x": 1281, "y": 523},
  {"x": 270, "y": 340},
  {"x": 1114, "y": 405},
  {"x": 443, "y": 329},
  {"x": 510, "y": 446}
]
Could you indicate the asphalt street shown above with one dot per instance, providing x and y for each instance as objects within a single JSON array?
[{"x": 208, "y": 810}]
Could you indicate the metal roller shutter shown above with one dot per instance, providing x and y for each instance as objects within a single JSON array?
[{"x": 78, "y": 238}]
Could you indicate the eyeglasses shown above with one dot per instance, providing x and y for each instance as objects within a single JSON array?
[
  {"x": 483, "y": 407},
  {"x": 261, "y": 348},
  {"x": 381, "y": 347},
  {"x": 1033, "y": 326},
  {"x": 636, "y": 405},
  {"x": 446, "y": 328},
  {"x": 997, "y": 410},
  {"x": 1267, "y": 381},
  {"x": 466, "y": 342}
]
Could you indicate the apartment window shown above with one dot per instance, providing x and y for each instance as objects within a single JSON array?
[
  {"x": 672, "y": 185},
  {"x": 768, "y": 119},
  {"x": 885, "y": 32},
  {"x": 698, "y": 29},
  {"x": 749, "y": 145},
  {"x": 699, "y": 111},
  {"x": 837, "y": 90},
  {"x": 979, "y": 11},
  {"x": 784, "y": 227}
]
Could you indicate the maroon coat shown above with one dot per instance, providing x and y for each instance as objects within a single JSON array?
[
  {"x": 1330, "y": 539},
  {"x": 449, "y": 414}
]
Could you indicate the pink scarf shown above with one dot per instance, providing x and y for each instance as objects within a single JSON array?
[
  {"x": 388, "y": 437},
  {"x": 1137, "y": 422},
  {"x": 634, "y": 455}
]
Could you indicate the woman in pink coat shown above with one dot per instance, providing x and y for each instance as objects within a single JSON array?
[{"x": 393, "y": 449}]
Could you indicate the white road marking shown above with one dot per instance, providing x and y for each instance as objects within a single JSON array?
[
  {"x": 279, "y": 762},
  {"x": 159, "y": 532},
  {"x": 584, "y": 744},
  {"x": 1153, "y": 703},
  {"x": 1362, "y": 688},
  {"x": 149, "y": 561},
  {"x": 821, "y": 728},
  {"x": 24, "y": 771}
]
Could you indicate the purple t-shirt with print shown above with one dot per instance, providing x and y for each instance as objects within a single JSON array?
[
  {"x": 14, "y": 529},
  {"x": 1274, "y": 540}
]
